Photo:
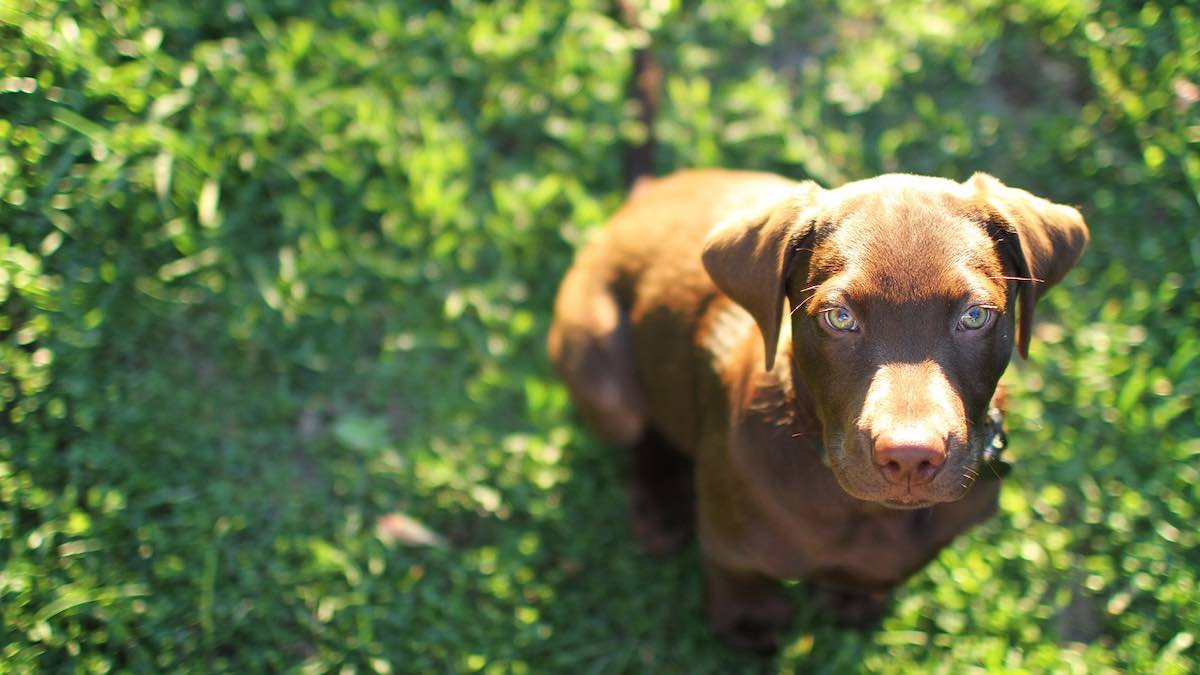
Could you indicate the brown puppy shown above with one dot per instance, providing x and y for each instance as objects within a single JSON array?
[{"x": 836, "y": 436}]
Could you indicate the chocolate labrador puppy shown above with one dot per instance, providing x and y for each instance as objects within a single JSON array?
[{"x": 826, "y": 359}]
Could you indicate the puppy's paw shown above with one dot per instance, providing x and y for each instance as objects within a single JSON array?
[
  {"x": 748, "y": 612},
  {"x": 861, "y": 611},
  {"x": 758, "y": 631}
]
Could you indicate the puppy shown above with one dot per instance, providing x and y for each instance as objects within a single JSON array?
[{"x": 815, "y": 367}]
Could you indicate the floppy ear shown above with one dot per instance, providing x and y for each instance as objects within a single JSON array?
[
  {"x": 749, "y": 257},
  {"x": 1042, "y": 239}
]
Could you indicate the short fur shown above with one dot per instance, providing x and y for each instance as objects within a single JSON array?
[{"x": 846, "y": 457}]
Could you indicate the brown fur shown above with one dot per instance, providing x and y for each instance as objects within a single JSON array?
[{"x": 851, "y": 458}]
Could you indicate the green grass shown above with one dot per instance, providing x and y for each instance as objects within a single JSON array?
[{"x": 273, "y": 274}]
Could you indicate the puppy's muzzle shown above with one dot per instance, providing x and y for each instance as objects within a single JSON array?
[{"x": 910, "y": 421}]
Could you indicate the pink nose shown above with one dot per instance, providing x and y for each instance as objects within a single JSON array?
[{"x": 909, "y": 456}]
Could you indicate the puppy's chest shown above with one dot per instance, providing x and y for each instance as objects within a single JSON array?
[{"x": 867, "y": 551}]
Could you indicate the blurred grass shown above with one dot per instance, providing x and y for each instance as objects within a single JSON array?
[{"x": 275, "y": 278}]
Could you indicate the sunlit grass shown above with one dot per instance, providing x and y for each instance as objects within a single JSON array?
[{"x": 275, "y": 279}]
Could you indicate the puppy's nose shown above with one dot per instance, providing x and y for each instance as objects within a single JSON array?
[{"x": 909, "y": 456}]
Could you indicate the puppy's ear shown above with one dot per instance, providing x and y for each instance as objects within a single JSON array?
[
  {"x": 750, "y": 257},
  {"x": 1042, "y": 240}
]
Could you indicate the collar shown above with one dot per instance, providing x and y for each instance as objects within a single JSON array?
[{"x": 994, "y": 467}]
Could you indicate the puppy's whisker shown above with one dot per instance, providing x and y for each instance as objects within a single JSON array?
[
  {"x": 993, "y": 470},
  {"x": 807, "y": 300},
  {"x": 1033, "y": 279}
]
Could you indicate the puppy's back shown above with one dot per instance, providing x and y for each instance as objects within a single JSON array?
[{"x": 627, "y": 312}]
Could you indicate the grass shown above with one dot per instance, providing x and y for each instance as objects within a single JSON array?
[{"x": 275, "y": 278}]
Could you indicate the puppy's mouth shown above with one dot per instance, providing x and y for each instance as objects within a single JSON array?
[
  {"x": 906, "y": 505},
  {"x": 916, "y": 497}
]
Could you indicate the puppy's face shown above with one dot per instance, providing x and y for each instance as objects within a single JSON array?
[
  {"x": 903, "y": 291},
  {"x": 902, "y": 327}
]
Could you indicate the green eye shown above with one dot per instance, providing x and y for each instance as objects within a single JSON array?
[
  {"x": 840, "y": 318},
  {"x": 975, "y": 318}
]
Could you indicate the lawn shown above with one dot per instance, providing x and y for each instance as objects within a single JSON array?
[{"x": 275, "y": 279}]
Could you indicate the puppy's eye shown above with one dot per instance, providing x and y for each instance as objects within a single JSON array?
[
  {"x": 975, "y": 318},
  {"x": 840, "y": 318}
]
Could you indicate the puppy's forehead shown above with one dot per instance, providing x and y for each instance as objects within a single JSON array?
[{"x": 904, "y": 240}]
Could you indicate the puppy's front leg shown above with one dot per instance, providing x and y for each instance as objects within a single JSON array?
[
  {"x": 661, "y": 495},
  {"x": 747, "y": 609}
]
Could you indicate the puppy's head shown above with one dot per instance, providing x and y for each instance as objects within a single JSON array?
[{"x": 903, "y": 294}]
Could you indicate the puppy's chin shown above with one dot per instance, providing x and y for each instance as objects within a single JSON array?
[{"x": 899, "y": 498}]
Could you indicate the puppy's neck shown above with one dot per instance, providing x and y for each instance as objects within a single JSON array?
[{"x": 805, "y": 421}]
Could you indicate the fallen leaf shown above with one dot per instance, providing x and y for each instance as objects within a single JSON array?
[{"x": 400, "y": 528}]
